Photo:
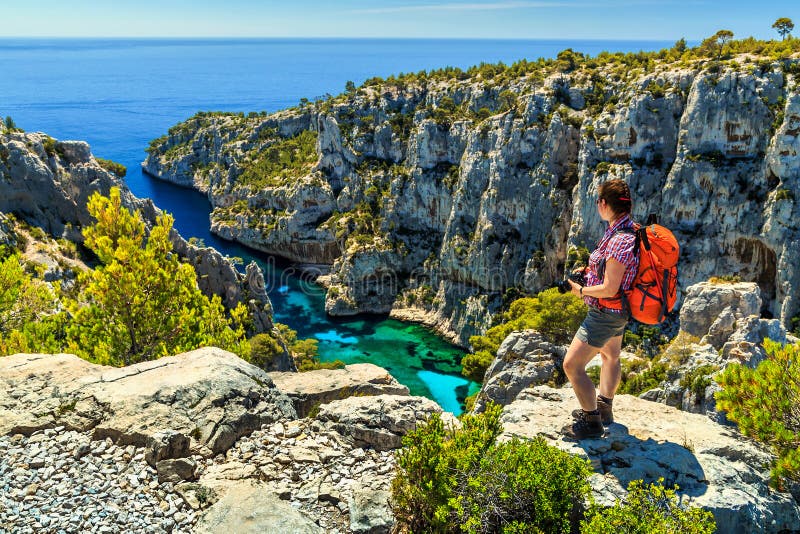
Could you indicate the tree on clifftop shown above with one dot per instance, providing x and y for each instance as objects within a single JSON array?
[
  {"x": 784, "y": 26},
  {"x": 716, "y": 42},
  {"x": 142, "y": 303}
]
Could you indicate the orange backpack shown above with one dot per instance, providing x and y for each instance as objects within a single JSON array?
[{"x": 654, "y": 290}]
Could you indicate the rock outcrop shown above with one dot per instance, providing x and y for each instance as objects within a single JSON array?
[
  {"x": 524, "y": 359},
  {"x": 200, "y": 442},
  {"x": 208, "y": 397},
  {"x": 378, "y": 422},
  {"x": 311, "y": 389},
  {"x": 47, "y": 183},
  {"x": 713, "y": 465},
  {"x": 430, "y": 198},
  {"x": 719, "y": 325},
  {"x": 712, "y": 310}
]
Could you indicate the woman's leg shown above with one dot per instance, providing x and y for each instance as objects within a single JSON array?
[
  {"x": 578, "y": 356},
  {"x": 610, "y": 372}
]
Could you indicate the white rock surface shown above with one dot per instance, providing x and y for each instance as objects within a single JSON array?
[
  {"x": 313, "y": 388},
  {"x": 713, "y": 465}
]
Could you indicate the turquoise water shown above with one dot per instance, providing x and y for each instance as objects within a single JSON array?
[{"x": 118, "y": 94}]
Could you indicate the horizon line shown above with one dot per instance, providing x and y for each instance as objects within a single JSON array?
[{"x": 410, "y": 38}]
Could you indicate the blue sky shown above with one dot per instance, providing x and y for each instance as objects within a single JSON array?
[{"x": 543, "y": 19}]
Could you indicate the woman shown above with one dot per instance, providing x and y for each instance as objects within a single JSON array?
[{"x": 612, "y": 268}]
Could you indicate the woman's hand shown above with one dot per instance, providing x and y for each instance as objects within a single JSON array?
[{"x": 576, "y": 288}]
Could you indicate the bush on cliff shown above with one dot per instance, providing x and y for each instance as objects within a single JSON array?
[
  {"x": 461, "y": 480},
  {"x": 556, "y": 316},
  {"x": 765, "y": 402},
  {"x": 113, "y": 167},
  {"x": 141, "y": 302},
  {"x": 651, "y": 509},
  {"x": 305, "y": 351},
  {"x": 28, "y": 322},
  {"x": 23, "y": 299}
]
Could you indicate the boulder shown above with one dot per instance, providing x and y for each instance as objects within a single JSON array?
[
  {"x": 208, "y": 395},
  {"x": 313, "y": 388},
  {"x": 75, "y": 151},
  {"x": 379, "y": 422},
  {"x": 248, "y": 507},
  {"x": 370, "y": 512},
  {"x": 714, "y": 466},
  {"x": 711, "y": 310},
  {"x": 524, "y": 359},
  {"x": 166, "y": 444},
  {"x": 176, "y": 470},
  {"x": 726, "y": 317}
]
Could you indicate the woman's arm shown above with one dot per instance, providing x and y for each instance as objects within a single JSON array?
[{"x": 611, "y": 281}]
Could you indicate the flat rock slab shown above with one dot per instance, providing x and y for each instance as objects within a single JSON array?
[
  {"x": 249, "y": 507},
  {"x": 209, "y": 395},
  {"x": 713, "y": 465},
  {"x": 379, "y": 422},
  {"x": 314, "y": 388}
]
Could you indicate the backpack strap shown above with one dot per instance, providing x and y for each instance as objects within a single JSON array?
[{"x": 601, "y": 268}]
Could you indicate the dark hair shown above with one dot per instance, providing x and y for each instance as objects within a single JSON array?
[{"x": 617, "y": 195}]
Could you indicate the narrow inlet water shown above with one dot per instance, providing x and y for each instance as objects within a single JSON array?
[{"x": 413, "y": 354}]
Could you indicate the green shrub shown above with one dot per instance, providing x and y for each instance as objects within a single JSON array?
[
  {"x": 577, "y": 257},
  {"x": 460, "y": 480},
  {"x": 142, "y": 302},
  {"x": 725, "y": 279},
  {"x": 11, "y": 126},
  {"x": 24, "y": 301},
  {"x": 475, "y": 364},
  {"x": 698, "y": 380},
  {"x": 556, "y": 316},
  {"x": 651, "y": 509},
  {"x": 49, "y": 145},
  {"x": 764, "y": 401},
  {"x": 282, "y": 160},
  {"x": 639, "y": 376},
  {"x": 113, "y": 167},
  {"x": 602, "y": 167},
  {"x": 305, "y": 351},
  {"x": 263, "y": 350}
]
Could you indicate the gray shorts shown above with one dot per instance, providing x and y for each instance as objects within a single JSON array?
[{"x": 600, "y": 326}]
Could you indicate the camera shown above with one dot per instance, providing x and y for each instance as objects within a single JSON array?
[{"x": 564, "y": 287}]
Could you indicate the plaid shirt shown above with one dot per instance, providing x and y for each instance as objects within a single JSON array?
[{"x": 618, "y": 246}]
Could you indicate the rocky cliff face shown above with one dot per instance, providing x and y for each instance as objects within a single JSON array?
[
  {"x": 431, "y": 197},
  {"x": 47, "y": 183}
]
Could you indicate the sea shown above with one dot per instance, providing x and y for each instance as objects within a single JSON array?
[{"x": 118, "y": 94}]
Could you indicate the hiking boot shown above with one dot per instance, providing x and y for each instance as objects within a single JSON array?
[
  {"x": 605, "y": 411},
  {"x": 586, "y": 425},
  {"x": 606, "y": 414}
]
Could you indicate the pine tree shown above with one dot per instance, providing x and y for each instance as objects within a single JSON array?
[
  {"x": 765, "y": 402},
  {"x": 142, "y": 303},
  {"x": 784, "y": 27}
]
